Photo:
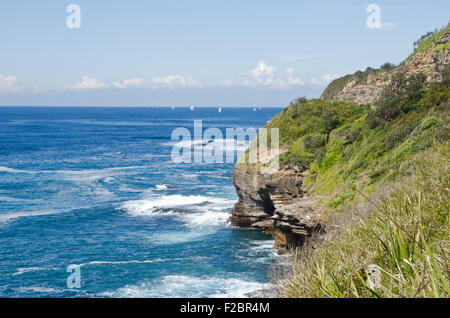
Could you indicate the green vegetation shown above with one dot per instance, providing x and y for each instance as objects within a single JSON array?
[
  {"x": 305, "y": 128},
  {"x": 399, "y": 248},
  {"x": 346, "y": 145},
  {"x": 389, "y": 182},
  {"x": 381, "y": 171},
  {"x": 428, "y": 41}
]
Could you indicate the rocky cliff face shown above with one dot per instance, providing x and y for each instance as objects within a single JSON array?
[
  {"x": 367, "y": 89},
  {"x": 274, "y": 203}
]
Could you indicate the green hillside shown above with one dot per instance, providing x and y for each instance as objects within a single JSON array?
[
  {"x": 382, "y": 171},
  {"x": 347, "y": 145}
]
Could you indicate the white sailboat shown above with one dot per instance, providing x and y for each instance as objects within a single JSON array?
[
  {"x": 254, "y": 109},
  {"x": 220, "y": 109},
  {"x": 192, "y": 108},
  {"x": 173, "y": 107}
]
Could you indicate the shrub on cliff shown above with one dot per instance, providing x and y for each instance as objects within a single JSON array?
[
  {"x": 388, "y": 107},
  {"x": 399, "y": 97},
  {"x": 387, "y": 66},
  {"x": 314, "y": 116}
]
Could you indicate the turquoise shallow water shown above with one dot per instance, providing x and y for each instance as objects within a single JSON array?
[{"x": 96, "y": 187}]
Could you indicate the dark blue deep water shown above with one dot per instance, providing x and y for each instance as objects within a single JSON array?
[{"x": 96, "y": 187}]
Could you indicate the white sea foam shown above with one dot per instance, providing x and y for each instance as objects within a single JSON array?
[
  {"x": 12, "y": 170},
  {"x": 146, "y": 261},
  {"x": 200, "y": 215},
  {"x": 23, "y": 270},
  {"x": 91, "y": 175},
  {"x": 207, "y": 218},
  {"x": 11, "y": 199},
  {"x": 261, "y": 251},
  {"x": 107, "y": 180},
  {"x": 262, "y": 245},
  {"x": 152, "y": 205},
  {"x": 39, "y": 289},
  {"x": 10, "y": 216},
  {"x": 228, "y": 144},
  {"x": 189, "y": 286},
  {"x": 87, "y": 172},
  {"x": 178, "y": 237}
]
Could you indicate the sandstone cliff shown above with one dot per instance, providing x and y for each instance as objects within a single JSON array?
[
  {"x": 276, "y": 204},
  {"x": 364, "y": 87}
]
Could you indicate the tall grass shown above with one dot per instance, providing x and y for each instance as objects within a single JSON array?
[{"x": 397, "y": 243}]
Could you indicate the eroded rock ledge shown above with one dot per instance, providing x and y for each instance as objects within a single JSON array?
[{"x": 276, "y": 204}]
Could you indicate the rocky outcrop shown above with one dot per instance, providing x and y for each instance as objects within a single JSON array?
[
  {"x": 365, "y": 88},
  {"x": 360, "y": 94},
  {"x": 276, "y": 204}
]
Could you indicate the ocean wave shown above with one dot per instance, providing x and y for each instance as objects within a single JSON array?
[
  {"x": 11, "y": 199},
  {"x": 40, "y": 290},
  {"x": 11, "y": 216},
  {"x": 107, "y": 180},
  {"x": 69, "y": 172},
  {"x": 180, "y": 237},
  {"x": 105, "y": 175},
  {"x": 146, "y": 261},
  {"x": 12, "y": 170},
  {"x": 260, "y": 251},
  {"x": 193, "y": 203},
  {"x": 189, "y": 286},
  {"x": 23, "y": 270},
  {"x": 228, "y": 144},
  {"x": 207, "y": 218},
  {"x": 200, "y": 215}
]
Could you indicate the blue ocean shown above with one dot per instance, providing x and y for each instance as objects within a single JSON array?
[{"x": 97, "y": 188}]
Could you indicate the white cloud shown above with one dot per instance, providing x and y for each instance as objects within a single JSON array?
[
  {"x": 8, "y": 84},
  {"x": 88, "y": 83},
  {"x": 171, "y": 81},
  {"x": 133, "y": 82},
  {"x": 265, "y": 74},
  {"x": 324, "y": 79},
  {"x": 175, "y": 81}
]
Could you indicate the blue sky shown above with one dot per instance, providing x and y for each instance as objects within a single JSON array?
[{"x": 204, "y": 53}]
